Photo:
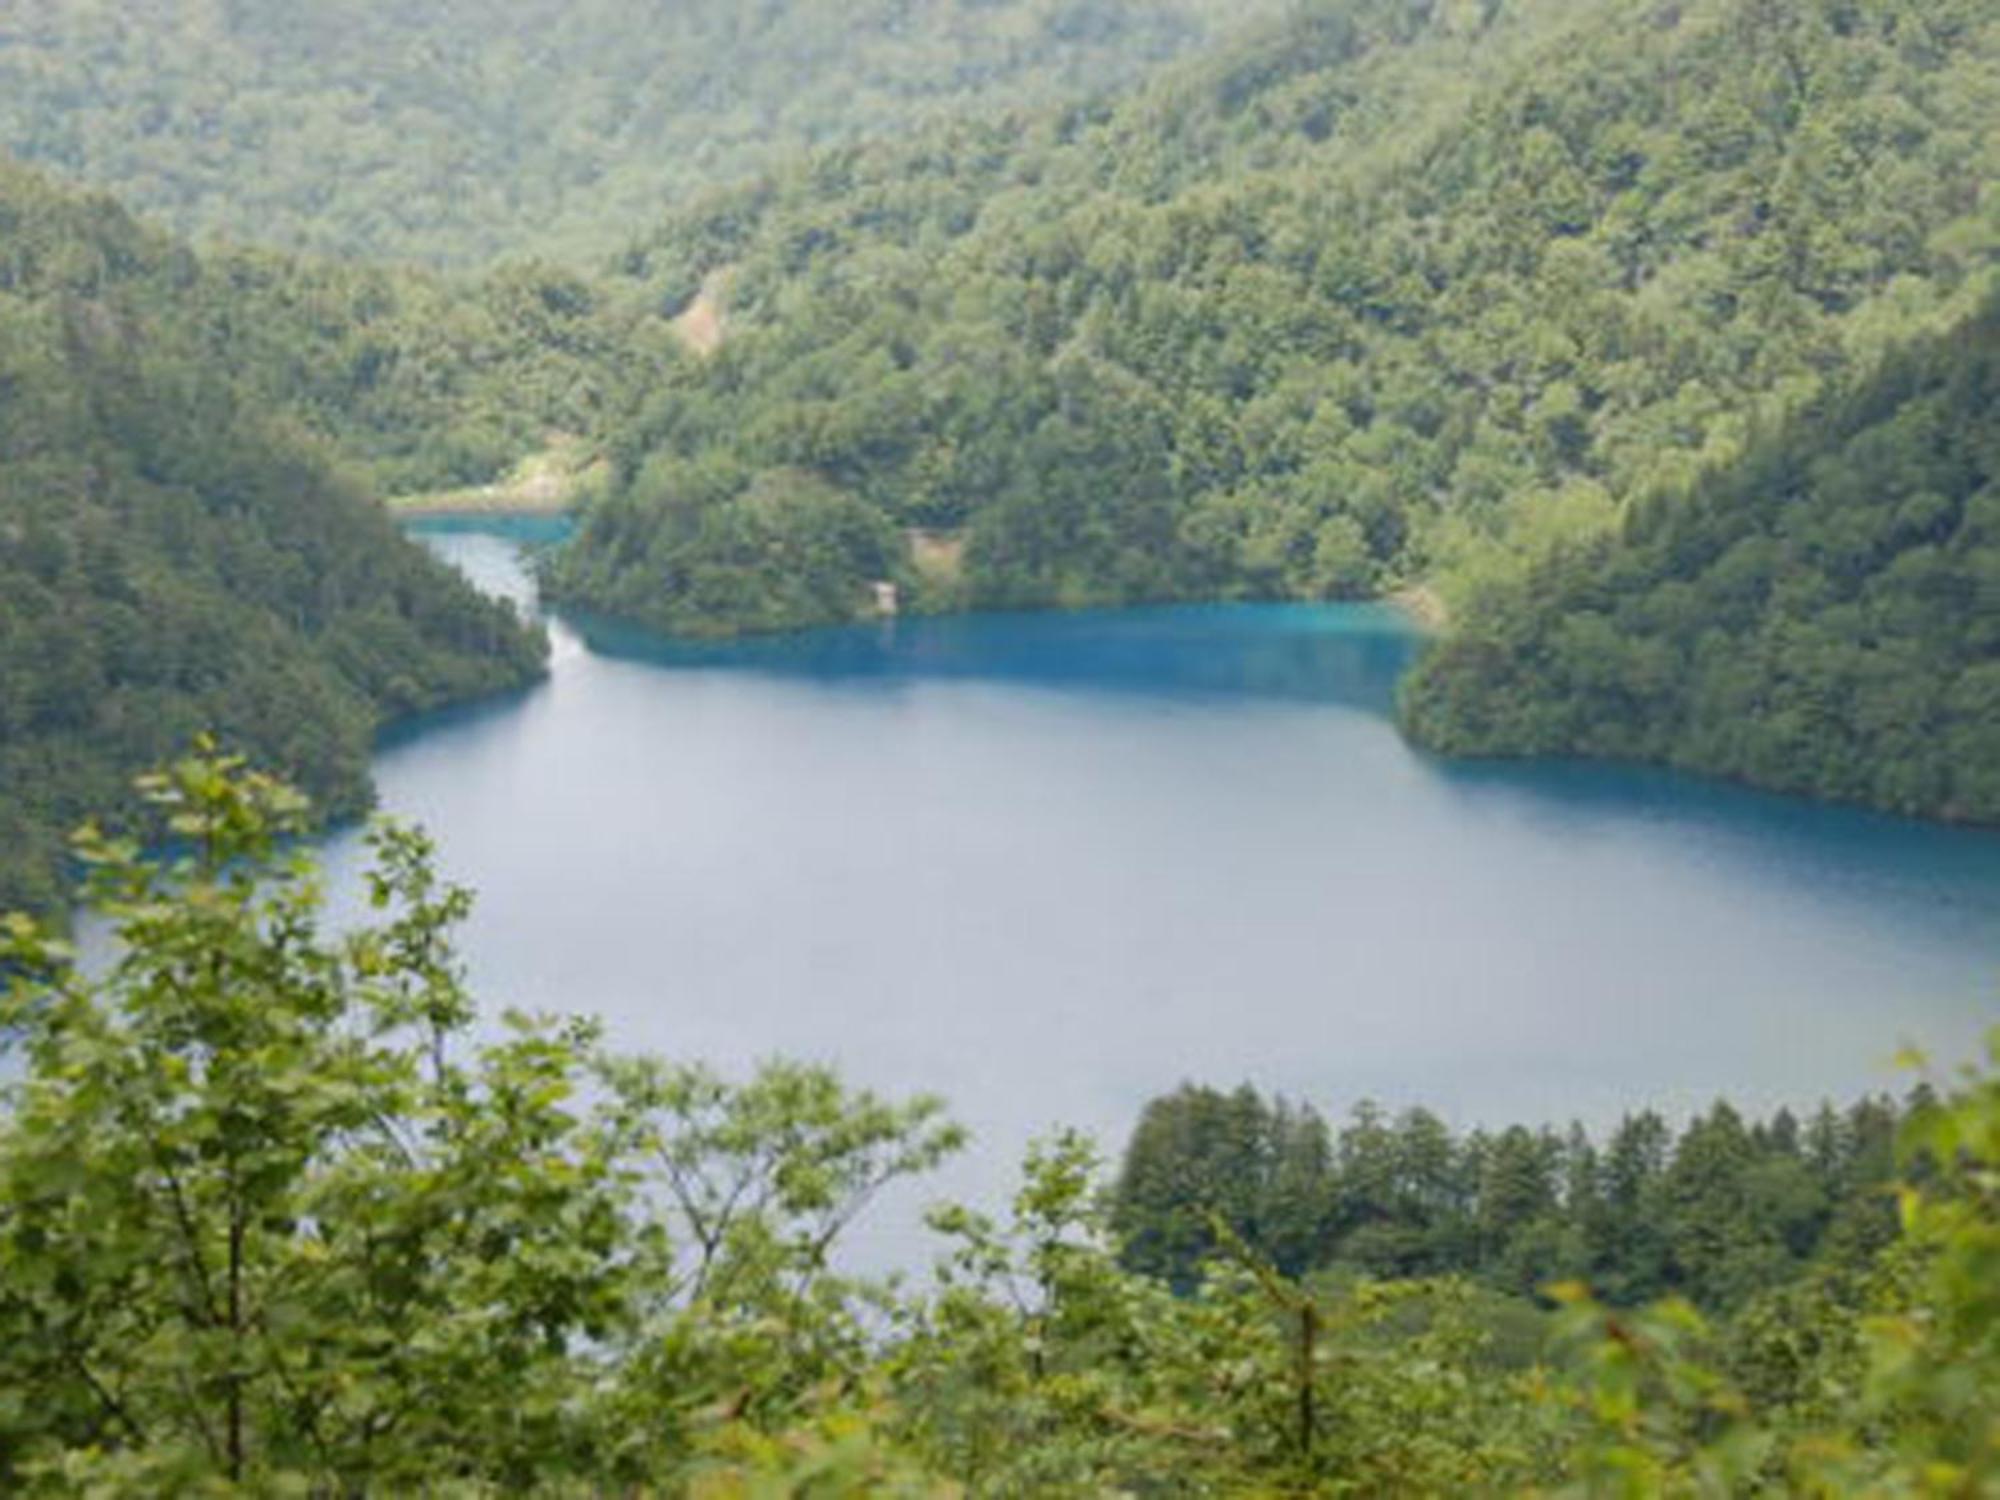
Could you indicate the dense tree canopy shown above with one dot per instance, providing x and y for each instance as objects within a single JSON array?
[
  {"x": 1393, "y": 292},
  {"x": 1493, "y": 296},
  {"x": 700, "y": 556},
  {"x": 413, "y": 380},
  {"x": 176, "y": 556},
  {"x": 456, "y": 132},
  {"x": 1718, "y": 1212},
  {"x": 1822, "y": 614},
  {"x": 1659, "y": 337}
]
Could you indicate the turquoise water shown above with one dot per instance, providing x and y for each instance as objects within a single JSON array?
[{"x": 1049, "y": 866}]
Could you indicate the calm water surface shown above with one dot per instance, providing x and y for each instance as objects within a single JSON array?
[{"x": 1050, "y": 866}]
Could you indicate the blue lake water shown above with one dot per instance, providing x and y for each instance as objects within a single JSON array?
[{"x": 1049, "y": 866}]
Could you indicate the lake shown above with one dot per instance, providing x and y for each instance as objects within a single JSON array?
[{"x": 1050, "y": 866}]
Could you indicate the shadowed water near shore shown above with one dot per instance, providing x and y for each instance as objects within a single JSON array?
[{"x": 1051, "y": 865}]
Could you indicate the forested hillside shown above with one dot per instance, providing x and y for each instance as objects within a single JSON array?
[
  {"x": 1392, "y": 293},
  {"x": 418, "y": 381},
  {"x": 177, "y": 554},
  {"x": 1822, "y": 614},
  {"x": 277, "y": 1218},
  {"x": 1626, "y": 328},
  {"x": 1658, "y": 339},
  {"x": 458, "y": 132}
]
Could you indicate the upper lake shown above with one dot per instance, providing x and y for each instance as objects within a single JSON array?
[{"x": 1049, "y": 866}]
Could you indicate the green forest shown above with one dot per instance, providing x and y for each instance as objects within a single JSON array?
[
  {"x": 1484, "y": 301},
  {"x": 1822, "y": 614},
  {"x": 179, "y": 556},
  {"x": 1653, "y": 346},
  {"x": 1720, "y": 1213},
  {"x": 455, "y": 133},
  {"x": 1388, "y": 296},
  {"x": 277, "y": 1218}
]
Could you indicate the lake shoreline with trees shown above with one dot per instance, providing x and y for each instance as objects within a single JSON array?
[
  {"x": 987, "y": 749},
  {"x": 1119, "y": 362}
]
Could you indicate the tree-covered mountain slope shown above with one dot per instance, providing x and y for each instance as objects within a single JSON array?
[
  {"x": 419, "y": 380},
  {"x": 1820, "y": 615},
  {"x": 416, "y": 379},
  {"x": 1331, "y": 309},
  {"x": 1389, "y": 292},
  {"x": 1381, "y": 292},
  {"x": 455, "y": 132},
  {"x": 176, "y": 556}
]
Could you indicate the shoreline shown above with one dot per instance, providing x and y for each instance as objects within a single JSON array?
[{"x": 475, "y": 505}]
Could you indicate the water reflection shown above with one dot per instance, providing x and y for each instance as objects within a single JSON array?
[
  {"x": 1351, "y": 656},
  {"x": 1941, "y": 878}
]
